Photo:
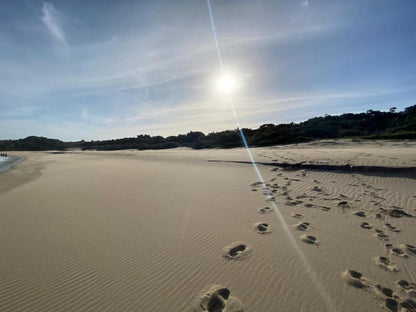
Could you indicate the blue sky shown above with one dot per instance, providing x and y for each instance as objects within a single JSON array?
[{"x": 107, "y": 69}]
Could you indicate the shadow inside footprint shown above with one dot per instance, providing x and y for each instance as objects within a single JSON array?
[
  {"x": 381, "y": 235},
  {"x": 410, "y": 248},
  {"x": 236, "y": 250},
  {"x": 397, "y": 251},
  {"x": 218, "y": 299},
  {"x": 309, "y": 239},
  {"x": 359, "y": 214},
  {"x": 355, "y": 278},
  {"x": 388, "y": 292},
  {"x": 386, "y": 264},
  {"x": 366, "y": 225},
  {"x": 406, "y": 285},
  {"x": 297, "y": 215},
  {"x": 391, "y": 227},
  {"x": 302, "y": 226},
  {"x": 262, "y": 228}
]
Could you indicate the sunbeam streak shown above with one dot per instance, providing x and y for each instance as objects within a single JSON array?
[{"x": 329, "y": 302}]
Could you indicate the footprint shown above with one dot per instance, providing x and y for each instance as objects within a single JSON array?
[
  {"x": 218, "y": 299},
  {"x": 397, "y": 251},
  {"x": 359, "y": 214},
  {"x": 270, "y": 199},
  {"x": 381, "y": 235},
  {"x": 366, "y": 225},
  {"x": 386, "y": 264},
  {"x": 264, "y": 210},
  {"x": 392, "y": 304},
  {"x": 297, "y": 215},
  {"x": 302, "y": 226},
  {"x": 388, "y": 246},
  {"x": 409, "y": 305},
  {"x": 408, "y": 287},
  {"x": 388, "y": 292},
  {"x": 410, "y": 248},
  {"x": 237, "y": 250},
  {"x": 344, "y": 205},
  {"x": 255, "y": 184},
  {"x": 398, "y": 213},
  {"x": 309, "y": 239},
  {"x": 391, "y": 227},
  {"x": 391, "y": 300},
  {"x": 356, "y": 279},
  {"x": 262, "y": 228}
]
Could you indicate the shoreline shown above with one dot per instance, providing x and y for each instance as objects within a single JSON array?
[{"x": 8, "y": 164}]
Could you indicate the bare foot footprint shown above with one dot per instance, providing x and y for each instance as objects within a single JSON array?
[
  {"x": 218, "y": 299},
  {"x": 262, "y": 228},
  {"x": 237, "y": 250}
]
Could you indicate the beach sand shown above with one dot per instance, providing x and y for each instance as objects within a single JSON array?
[{"x": 156, "y": 230}]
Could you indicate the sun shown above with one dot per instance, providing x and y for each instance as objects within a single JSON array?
[{"x": 226, "y": 84}]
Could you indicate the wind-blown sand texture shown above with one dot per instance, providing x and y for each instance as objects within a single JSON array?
[{"x": 150, "y": 230}]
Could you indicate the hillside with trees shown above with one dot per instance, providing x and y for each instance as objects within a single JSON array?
[{"x": 369, "y": 125}]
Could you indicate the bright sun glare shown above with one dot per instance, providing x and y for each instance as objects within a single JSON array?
[{"x": 226, "y": 84}]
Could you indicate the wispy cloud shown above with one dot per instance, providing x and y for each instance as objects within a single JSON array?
[{"x": 51, "y": 19}]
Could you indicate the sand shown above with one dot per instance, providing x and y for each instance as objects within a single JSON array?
[{"x": 173, "y": 231}]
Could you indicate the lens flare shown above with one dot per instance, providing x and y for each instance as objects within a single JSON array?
[{"x": 226, "y": 84}]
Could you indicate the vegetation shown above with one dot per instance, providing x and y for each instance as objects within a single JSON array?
[{"x": 368, "y": 125}]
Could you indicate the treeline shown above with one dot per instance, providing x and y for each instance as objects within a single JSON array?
[
  {"x": 32, "y": 143},
  {"x": 371, "y": 124}
]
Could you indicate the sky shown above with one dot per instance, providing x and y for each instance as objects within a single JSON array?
[{"x": 100, "y": 69}]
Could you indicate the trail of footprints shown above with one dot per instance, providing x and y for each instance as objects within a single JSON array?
[
  {"x": 391, "y": 299},
  {"x": 217, "y": 297}
]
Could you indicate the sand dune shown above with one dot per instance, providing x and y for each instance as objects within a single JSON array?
[{"x": 160, "y": 230}]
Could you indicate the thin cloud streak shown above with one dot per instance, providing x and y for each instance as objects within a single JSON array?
[{"x": 50, "y": 18}]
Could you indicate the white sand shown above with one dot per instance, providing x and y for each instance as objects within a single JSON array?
[{"x": 146, "y": 231}]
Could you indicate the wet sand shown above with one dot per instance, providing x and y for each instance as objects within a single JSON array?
[{"x": 157, "y": 230}]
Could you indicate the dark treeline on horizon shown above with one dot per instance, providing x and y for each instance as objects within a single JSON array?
[{"x": 368, "y": 125}]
